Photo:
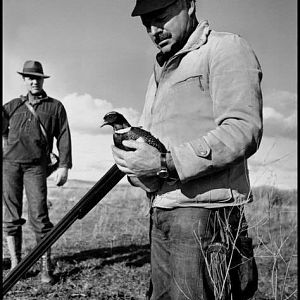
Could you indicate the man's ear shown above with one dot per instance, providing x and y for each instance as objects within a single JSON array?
[{"x": 191, "y": 9}]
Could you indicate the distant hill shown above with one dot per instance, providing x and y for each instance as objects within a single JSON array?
[
  {"x": 275, "y": 195},
  {"x": 78, "y": 183},
  {"x": 279, "y": 196}
]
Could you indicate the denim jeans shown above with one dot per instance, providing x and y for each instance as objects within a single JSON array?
[
  {"x": 33, "y": 178},
  {"x": 179, "y": 238}
]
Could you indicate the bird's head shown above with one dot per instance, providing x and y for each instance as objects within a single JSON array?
[{"x": 116, "y": 120}]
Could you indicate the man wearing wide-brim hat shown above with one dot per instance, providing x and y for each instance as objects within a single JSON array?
[
  {"x": 31, "y": 123},
  {"x": 33, "y": 68},
  {"x": 204, "y": 103}
]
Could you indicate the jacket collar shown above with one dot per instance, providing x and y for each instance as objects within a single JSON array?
[
  {"x": 34, "y": 99},
  {"x": 197, "y": 38}
]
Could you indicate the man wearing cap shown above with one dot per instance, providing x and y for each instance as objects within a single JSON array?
[
  {"x": 204, "y": 103},
  {"x": 25, "y": 160}
]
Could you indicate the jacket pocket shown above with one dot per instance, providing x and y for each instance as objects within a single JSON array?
[
  {"x": 209, "y": 189},
  {"x": 195, "y": 80}
]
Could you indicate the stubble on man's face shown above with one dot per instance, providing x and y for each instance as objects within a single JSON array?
[{"x": 168, "y": 27}]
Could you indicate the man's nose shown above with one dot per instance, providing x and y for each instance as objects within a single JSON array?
[{"x": 154, "y": 29}]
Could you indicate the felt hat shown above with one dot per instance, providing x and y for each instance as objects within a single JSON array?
[
  {"x": 147, "y": 6},
  {"x": 33, "y": 68}
]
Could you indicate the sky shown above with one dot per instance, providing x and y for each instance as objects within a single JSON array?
[{"x": 100, "y": 59}]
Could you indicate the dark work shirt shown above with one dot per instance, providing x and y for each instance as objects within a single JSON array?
[{"x": 25, "y": 142}]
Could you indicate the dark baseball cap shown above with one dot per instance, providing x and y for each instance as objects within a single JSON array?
[{"x": 146, "y": 6}]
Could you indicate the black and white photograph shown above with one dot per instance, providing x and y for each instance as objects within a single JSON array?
[{"x": 149, "y": 149}]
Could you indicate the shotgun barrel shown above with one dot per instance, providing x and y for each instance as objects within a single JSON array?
[{"x": 87, "y": 202}]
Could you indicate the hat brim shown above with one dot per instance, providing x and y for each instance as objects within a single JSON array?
[
  {"x": 33, "y": 74},
  {"x": 143, "y": 8}
]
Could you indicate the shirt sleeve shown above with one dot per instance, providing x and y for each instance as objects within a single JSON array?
[
  {"x": 234, "y": 84},
  {"x": 63, "y": 137}
]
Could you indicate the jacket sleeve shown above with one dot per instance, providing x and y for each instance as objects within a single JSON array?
[
  {"x": 63, "y": 137},
  {"x": 234, "y": 85},
  {"x": 5, "y": 122}
]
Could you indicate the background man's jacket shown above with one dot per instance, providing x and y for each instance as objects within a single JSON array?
[{"x": 25, "y": 142}]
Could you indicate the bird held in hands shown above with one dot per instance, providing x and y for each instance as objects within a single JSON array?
[{"x": 124, "y": 131}]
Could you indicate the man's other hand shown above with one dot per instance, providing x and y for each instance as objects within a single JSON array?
[
  {"x": 143, "y": 161},
  {"x": 61, "y": 176}
]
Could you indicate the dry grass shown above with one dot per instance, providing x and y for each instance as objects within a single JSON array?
[
  {"x": 273, "y": 225},
  {"x": 106, "y": 254}
]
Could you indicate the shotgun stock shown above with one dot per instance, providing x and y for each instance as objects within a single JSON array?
[{"x": 87, "y": 202}]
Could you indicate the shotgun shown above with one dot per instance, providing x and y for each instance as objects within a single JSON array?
[{"x": 87, "y": 202}]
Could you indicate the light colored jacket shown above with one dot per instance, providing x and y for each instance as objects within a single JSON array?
[{"x": 205, "y": 105}]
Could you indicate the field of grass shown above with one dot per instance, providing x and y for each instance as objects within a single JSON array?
[{"x": 106, "y": 254}]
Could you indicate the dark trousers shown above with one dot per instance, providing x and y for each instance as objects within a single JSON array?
[
  {"x": 179, "y": 240},
  {"x": 16, "y": 176}
]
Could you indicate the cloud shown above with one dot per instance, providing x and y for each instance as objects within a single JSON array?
[
  {"x": 92, "y": 155},
  {"x": 271, "y": 113},
  {"x": 275, "y": 163},
  {"x": 86, "y": 113},
  {"x": 280, "y": 114},
  {"x": 91, "y": 145}
]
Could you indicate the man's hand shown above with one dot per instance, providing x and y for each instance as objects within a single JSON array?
[
  {"x": 61, "y": 176},
  {"x": 144, "y": 161}
]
